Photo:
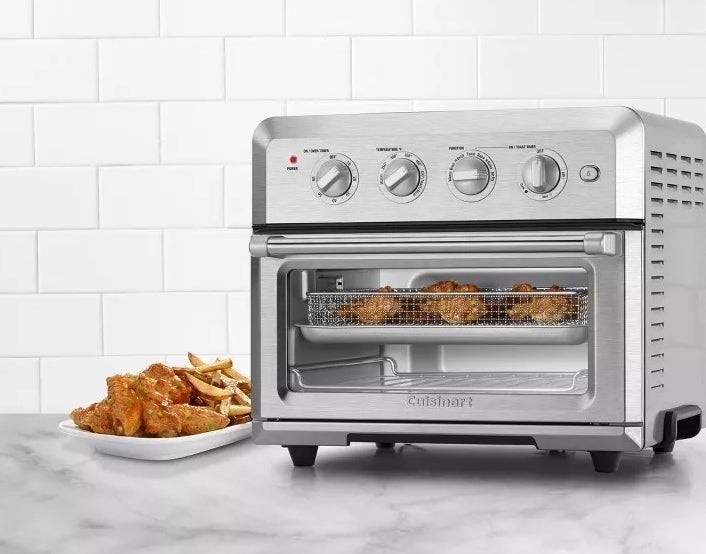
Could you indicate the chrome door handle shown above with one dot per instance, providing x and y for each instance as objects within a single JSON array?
[{"x": 278, "y": 246}]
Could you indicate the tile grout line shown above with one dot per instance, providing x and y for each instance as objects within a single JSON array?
[
  {"x": 228, "y": 322},
  {"x": 539, "y": 17},
  {"x": 225, "y": 72},
  {"x": 603, "y": 76},
  {"x": 98, "y": 72},
  {"x": 164, "y": 262},
  {"x": 159, "y": 18},
  {"x": 101, "y": 316},
  {"x": 98, "y": 198},
  {"x": 36, "y": 262},
  {"x": 223, "y": 197},
  {"x": 350, "y": 72},
  {"x": 285, "y": 18},
  {"x": 159, "y": 134},
  {"x": 34, "y": 135},
  {"x": 39, "y": 384},
  {"x": 477, "y": 67},
  {"x": 34, "y": 18}
]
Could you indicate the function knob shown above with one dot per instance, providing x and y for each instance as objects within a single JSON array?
[
  {"x": 402, "y": 177},
  {"x": 334, "y": 179},
  {"x": 541, "y": 174},
  {"x": 471, "y": 176}
]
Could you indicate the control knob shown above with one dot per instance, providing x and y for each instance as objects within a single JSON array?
[
  {"x": 541, "y": 174},
  {"x": 333, "y": 178},
  {"x": 470, "y": 175},
  {"x": 402, "y": 177}
]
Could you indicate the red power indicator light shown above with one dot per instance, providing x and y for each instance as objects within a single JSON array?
[{"x": 293, "y": 159}]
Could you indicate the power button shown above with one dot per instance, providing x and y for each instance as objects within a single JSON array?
[{"x": 589, "y": 173}]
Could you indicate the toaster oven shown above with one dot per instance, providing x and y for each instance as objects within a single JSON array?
[{"x": 501, "y": 277}]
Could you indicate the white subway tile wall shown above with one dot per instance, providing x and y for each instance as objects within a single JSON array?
[{"x": 125, "y": 144}]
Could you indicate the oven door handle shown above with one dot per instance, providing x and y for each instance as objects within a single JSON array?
[{"x": 595, "y": 243}]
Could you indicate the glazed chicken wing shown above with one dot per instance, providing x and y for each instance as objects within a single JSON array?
[
  {"x": 158, "y": 417},
  {"x": 124, "y": 405},
  {"x": 371, "y": 310},
  {"x": 455, "y": 309},
  {"x": 198, "y": 419},
  {"x": 542, "y": 309},
  {"x": 168, "y": 383},
  {"x": 95, "y": 418}
]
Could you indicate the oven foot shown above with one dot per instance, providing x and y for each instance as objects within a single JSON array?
[
  {"x": 683, "y": 422},
  {"x": 605, "y": 462},
  {"x": 302, "y": 456},
  {"x": 385, "y": 444}
]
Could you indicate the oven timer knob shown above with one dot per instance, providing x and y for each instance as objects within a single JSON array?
[
  {"x": 543, "y": 176},
  {"x": 402, "y": 177},
  {"x": 334, "y": 179}
]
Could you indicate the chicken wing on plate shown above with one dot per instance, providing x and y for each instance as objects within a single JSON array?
[
  {"x": 199, "y": 419},
  {"x": 124, "y": 406},
  {"x": 95, "y": 418}
]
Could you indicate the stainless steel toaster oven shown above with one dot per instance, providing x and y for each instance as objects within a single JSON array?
[{"x": 497, "y": 277}]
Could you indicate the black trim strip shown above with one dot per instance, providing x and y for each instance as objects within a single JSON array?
[
  {"x": 456, "y": 422},
  {"x": 413, "y": 438},
  {"x": 451, "y": 226}
]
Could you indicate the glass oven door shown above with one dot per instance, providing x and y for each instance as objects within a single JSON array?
[{"x": 496, "y": 328}]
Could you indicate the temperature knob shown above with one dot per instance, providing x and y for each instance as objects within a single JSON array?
[
  {"x": 541, "y": 174},
  {"x": 471, "y": 176},
  {"x": 402, "y": 177},
  {"x": 334, "y": 179}
]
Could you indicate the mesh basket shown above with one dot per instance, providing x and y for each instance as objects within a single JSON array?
[{"x": 489, "y": 307}]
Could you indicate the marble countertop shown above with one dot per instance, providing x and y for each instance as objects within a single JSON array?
[{"x": 58, "y": 496}]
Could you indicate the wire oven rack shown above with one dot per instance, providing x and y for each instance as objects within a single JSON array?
[
  {"x": 307, "y": 378},
  {"x": 489, "y": 316}
]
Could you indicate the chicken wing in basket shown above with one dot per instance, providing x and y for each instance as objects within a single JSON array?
[
  {"x": 371, "y": 310},
  {"x": 456, "y": 310},
  {"x": 541, "y": 308}
]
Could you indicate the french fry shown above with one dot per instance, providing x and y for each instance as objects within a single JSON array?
[
  {"x": 195, "y": 360},
  {"x": 224, "y": 406},
  {"x": 241, "y": 398},
  {"x": 207, "y": 390},
  {"x": 215, "y": 366},
  {"x": 239, "y": 410}
]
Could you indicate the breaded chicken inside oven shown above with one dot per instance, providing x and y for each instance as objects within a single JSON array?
[
  {"x": 372, "y": 310},
  {"x": 454, "y": 309},
  {"x": 543, "y": 308}
]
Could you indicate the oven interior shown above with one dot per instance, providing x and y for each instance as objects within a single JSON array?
[{"x": 346, "y": 333}]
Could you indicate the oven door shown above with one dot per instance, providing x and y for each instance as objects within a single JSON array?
[{"x": 387, "y": 328}]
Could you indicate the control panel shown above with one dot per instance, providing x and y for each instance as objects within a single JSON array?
[{"x": 442, "y": 178}]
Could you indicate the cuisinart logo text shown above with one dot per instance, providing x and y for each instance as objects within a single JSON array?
[{"x": 438, "y": 401}]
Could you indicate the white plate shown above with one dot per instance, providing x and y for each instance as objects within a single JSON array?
[{"x": 142, "y": 448}]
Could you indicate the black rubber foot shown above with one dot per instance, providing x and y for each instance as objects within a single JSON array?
[
  {"x": 605, "y": 462},
  {"x": 385, "y": 444},
  {"x": 680, "y": 423},
  {"x": 302, "y": 456}
]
